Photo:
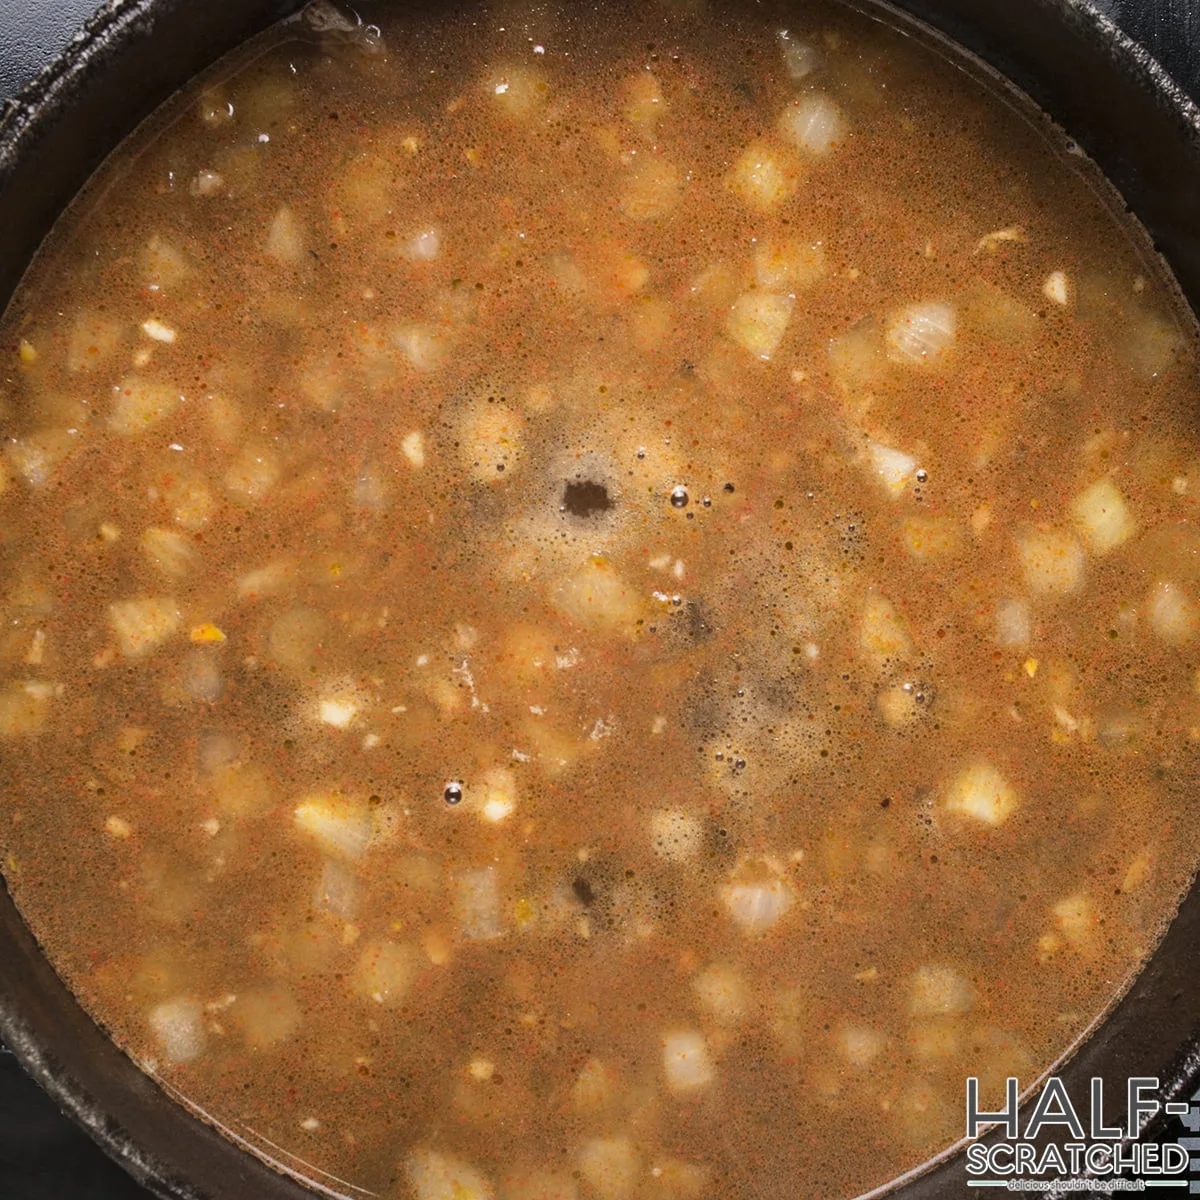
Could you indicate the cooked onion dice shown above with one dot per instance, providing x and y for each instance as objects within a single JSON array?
[
  {"x": 922, "y": 335},
  {"x": 611, "y": 1166},
  {"x": 1102, "y": 517},
  {"x": 940, "y": 991},
  {"x": 764, "y": 176},
  {"x": 142, "y": 624},
  {"x": 758, "y": 321},
  {"x": 340, "y": 825},
  {"x": 385, "y": 972},
  {"x": 814, "y": 123},
  {"x": 436, "y": 1176},
  {"x": 982, "y": 793},
  {"x": 686, "y": 1062},
  {"x": 178, "y": 1028},
  {"x": 1052, "y": 561}
]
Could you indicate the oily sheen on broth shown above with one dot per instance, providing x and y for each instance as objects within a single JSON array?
[{"x": 598, "y": 603}]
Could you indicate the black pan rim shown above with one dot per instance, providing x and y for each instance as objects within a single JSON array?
[{"x": 25, "y": 122}]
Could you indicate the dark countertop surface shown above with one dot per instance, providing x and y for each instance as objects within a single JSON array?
[{"x": 43, "y": 1156}]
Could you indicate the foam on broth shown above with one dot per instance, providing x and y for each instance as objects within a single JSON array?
[{"x": 597, "y": 605}]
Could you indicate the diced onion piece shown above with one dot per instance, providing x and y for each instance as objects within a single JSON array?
[
  {"x": 1001, "y": 316},
  {"x": 799, "y": 58},
  {"x": 216, "y": 749},
  {"x": 940, "y": 991},
  {"x": 1014, "y": 626},
  {"x": 597, "y": 596},
  {"x": 477, "y": 903},
  {"x": 424, "y": 246},
  {"x": 437, "y": 1176},
  {"x": 294, "y": 638},
  {"x": 882, "y": 633},
  {"x": 895, "y": 469},
  {"x": 206, "y": 183},
  {"x": 24, "y": 708},
  {"x": 424, "y": 346},
  {"x": 721, "y": 993},
  {"x": 1076, "y": 918},
  {"x": 37, "y": 649},
  {"x": 594, "y": 1087},
  {"x": 1151, "y": 343},
  {"x": 119, "y": 828},
  {"x": 252, "y": 475},
  {"x": 139, "y": 405},
  {"x": 982, "y": 793},
  {"x": 856, "y": 357},
  {"x": 413, "y": 448},
  {"x": 610, "y": 1165},
  {"x": 158, "y": 331},
  {"x": 35, "y": 456},
  {"x": 860, "y": 1045},
  {"x": 495, "y": 796},
  {"x": 191, "y": 500},
  {"x": 1052, "y": 561},
  {"x": 385, "y": 972},
  {"x": 757, "y": 905},
  {"x": 168, "y": 551},
  {"x": 1102, "y": 517},
  {"x": 144, "y": 623},
  {"x": 517, "y": 92},
  {"x": 481, "y": 1069},
  {"x": 764, "y": 176},
  {"x": 813, "y": 123},
  {"x": 783, "y": 264},
  {"x": 1056, "y": 287},
  {"x": 758, "y": 321},
  {"x": 686, "y": 1061},
  {"x": 337, "y": 891},
  {"x": 675, "y": 835},
  {"x": 163, "y": 265},
  {"x": 922, "y": 335},
  {"x": 285, "y": 238},
  {"x": 339, "y": 825},
  {"x": 1172, "y": 614},
  {"x": 619, "y": 272},
  {"x": 178, "y": 1028},
  {"x": 321, "y": 379},
  {"x": 265, "y": 581},
  {"x": 371, "y": 490},
  {"x": 201, "y": 678},
  {"x": 339, "y": 713},
  {"x": 652, "y": 189},
  {"x": 991, "y": 242},
  {"x": 1138, "y": 871},
  {"x": 644, "y": 103},
  {"x": 225, "y": 419}
]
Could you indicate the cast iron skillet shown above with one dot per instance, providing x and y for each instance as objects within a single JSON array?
[{"x": 1105, "y": 90}]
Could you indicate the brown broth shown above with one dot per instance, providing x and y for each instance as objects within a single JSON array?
[{"x": 564, "y": 638}]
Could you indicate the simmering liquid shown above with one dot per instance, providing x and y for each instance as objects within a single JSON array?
[{"x": 597, "y": 604}]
